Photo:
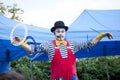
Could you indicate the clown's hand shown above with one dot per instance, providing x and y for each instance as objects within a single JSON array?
[
  {"x": 16, "y": 40},
  {"x": 100, "y": 36},
  {"x": 108, "y": 35}
]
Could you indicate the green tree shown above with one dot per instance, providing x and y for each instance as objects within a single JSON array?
[
  {"x": 15, "y": 11},
  {"x": 12, "y": 10},
  {"x": 2, "y": 8},
  {"x": 87, "y": 68},
  {"x": 100, "y": 68},
  {"x": 39, "y": 70}
]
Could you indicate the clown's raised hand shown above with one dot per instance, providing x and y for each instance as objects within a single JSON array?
[
  {"x": 109, "y": 35},
  {"x": 100, "y": 36}
]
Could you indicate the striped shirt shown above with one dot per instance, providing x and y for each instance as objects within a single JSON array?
[{"x": 49, "y": 48}]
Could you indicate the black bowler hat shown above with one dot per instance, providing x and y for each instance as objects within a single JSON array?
[{"x": 59, "y": 24}]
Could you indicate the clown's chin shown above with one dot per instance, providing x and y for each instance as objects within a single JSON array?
[{"x": 60, "y": 38}]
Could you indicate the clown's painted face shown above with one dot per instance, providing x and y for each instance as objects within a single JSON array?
[{"x": 60, "y": 33}]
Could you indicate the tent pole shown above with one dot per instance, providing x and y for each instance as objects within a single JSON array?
[
  {"x": 106, "y": 62},
  {"x": 31, "y": 74},
  {"x": 8, "y": 55}
]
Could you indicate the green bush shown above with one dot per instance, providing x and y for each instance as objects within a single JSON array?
[{"x": 100, "y": 68}]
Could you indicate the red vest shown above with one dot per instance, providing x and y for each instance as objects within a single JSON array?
[{"x": 63, "y": 67}]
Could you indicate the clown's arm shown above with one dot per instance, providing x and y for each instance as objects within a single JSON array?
[
  {"x": 88, "y": 44},
  {"x": 30, "y": 48},
  {"x": 100, "y": 36}
]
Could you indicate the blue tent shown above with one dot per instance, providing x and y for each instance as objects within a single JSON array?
[
  {"x": 85, "y": 27},
  {"x": 8, "y": 52},
  {"x": 90, "y": 22}
]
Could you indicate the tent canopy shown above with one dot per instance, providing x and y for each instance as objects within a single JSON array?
[
  {"x": 84, "y": 28},
  {"x": 90, "y": 22}
]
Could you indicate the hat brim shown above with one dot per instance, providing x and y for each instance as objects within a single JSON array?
[{"x": 55, "y": 27}]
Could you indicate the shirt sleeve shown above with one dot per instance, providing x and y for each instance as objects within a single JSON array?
[
  {"x": 81, "y": 45},
  {"x": 41, "y": 48}
]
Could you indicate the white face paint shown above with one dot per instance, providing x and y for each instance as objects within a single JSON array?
[{"x": 60, "y": 33}]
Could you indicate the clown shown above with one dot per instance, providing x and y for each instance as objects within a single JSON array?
[{"x": 61, "y": 52}]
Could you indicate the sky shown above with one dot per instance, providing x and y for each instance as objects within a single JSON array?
[{"x": 44, "y": 13}]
